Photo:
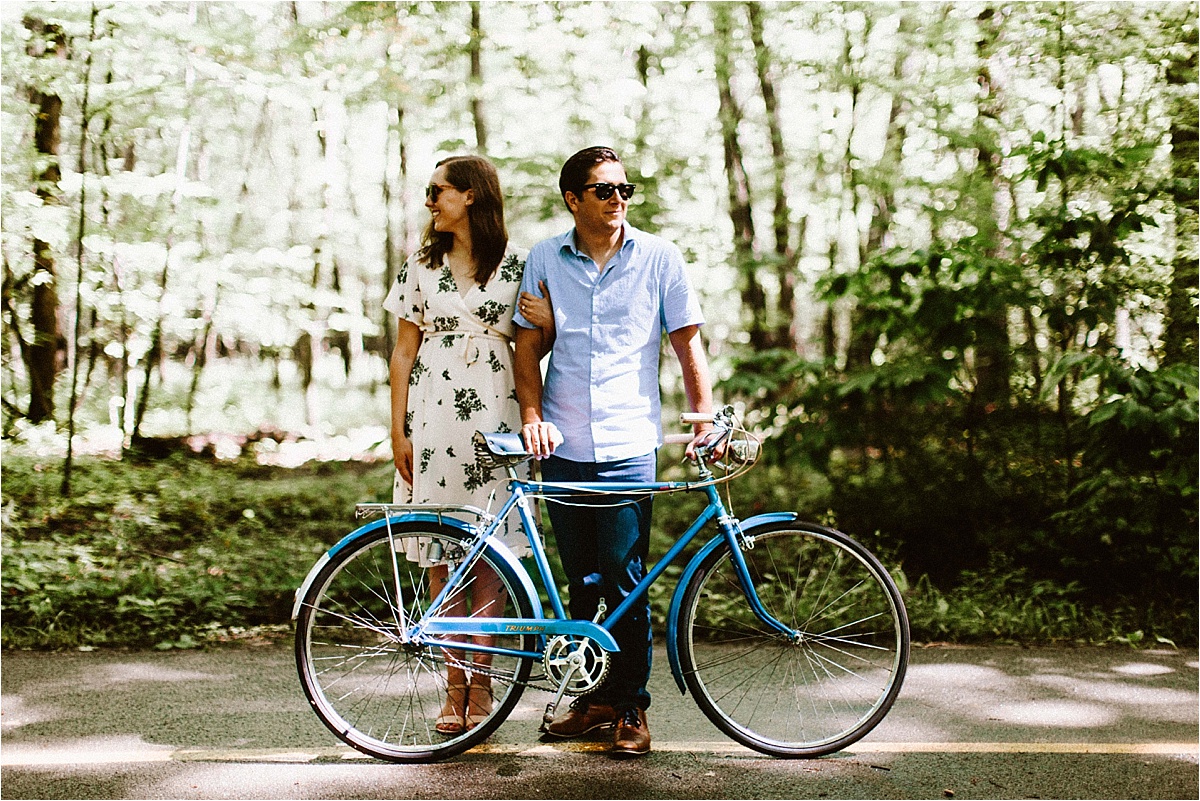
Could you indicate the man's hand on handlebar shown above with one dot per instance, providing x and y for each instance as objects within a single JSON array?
[{"x": 712, "y": 440}]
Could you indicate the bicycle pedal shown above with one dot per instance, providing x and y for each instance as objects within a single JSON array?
[{"x": 548, "y": 716}]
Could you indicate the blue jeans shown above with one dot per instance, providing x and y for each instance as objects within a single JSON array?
[{"x": 604, "y": 549}]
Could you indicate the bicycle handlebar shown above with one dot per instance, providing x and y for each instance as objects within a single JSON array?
[{"x": 743, "y": 450}]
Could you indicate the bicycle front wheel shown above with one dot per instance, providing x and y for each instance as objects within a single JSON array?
[
  {"x": 382, "y": 693},
  {"x": 819, "y": 690}
]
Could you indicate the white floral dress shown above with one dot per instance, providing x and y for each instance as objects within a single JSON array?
[{"x": 461, "y": 382}]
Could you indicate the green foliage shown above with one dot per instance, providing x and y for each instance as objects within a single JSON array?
[
  {"x": 171, "y": 554},
  {"x": 1131, "y": 519},
  {"x": 994, "y": 374},
  {"x": 987, "y": 407},
  {"x": 160, "y": 554},
  {"x": 1095, "y": 507},
  {"x": 1104, "y": 557},
  {"x": 1004, "y": 604},
  {"x": 59, "y": 593}
]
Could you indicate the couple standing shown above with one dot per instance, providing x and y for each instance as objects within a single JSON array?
[{"x": 597, "y": 299}]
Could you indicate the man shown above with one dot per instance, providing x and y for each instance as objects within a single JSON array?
[{"x": 614, "y": 289}]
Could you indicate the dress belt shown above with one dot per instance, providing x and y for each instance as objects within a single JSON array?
[{"x": 470, "y": 350}]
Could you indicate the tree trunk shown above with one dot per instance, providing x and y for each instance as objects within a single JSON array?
[
  {"x": 43, "y": 352},
  {"x": 475, "y": 83},
  {"x": 829, "y": 344},
  {"x": 785, "y": 255},
  {"x": 202, "y": 346},
  {"x": 9, "y": 287},
  {"x": 753, "y": 296},
  {"x": 863, "y": 335},
  {"x": 993, "y": 359},
  {"x": 1180, "y": 344},
  {"x": 154, "y": 355},
  {"x": 391, "y": 257},
  {"x": 65, "y": 488}
]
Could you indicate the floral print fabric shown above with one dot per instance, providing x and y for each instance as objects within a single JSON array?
[{"x": 461, "y": 382}]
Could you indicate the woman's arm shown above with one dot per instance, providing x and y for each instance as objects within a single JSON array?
[
  {"x": 540, "y": 312},
  {"x": 408, "y": 342}
]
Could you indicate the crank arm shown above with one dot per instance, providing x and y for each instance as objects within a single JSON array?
[{"x": 552, "y": 707}]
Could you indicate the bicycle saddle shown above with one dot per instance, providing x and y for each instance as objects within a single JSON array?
[{"x": 500, "y": 448}]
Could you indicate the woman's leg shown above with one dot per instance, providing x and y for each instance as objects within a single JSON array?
[
  {"x": 488, "y": 598},
  {"x": 453, "y": 718}
]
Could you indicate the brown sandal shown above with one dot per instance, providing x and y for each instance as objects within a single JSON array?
[
  {"x": 479, "y": 706},
  {"x": 453, "y": 719}
]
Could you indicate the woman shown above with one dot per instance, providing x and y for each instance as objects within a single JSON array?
[{"x": 451, "y": 375}]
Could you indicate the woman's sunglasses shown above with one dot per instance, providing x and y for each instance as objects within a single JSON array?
[
  {"x": 434, "y": 191},
  {"x": 605, "y": 191}
]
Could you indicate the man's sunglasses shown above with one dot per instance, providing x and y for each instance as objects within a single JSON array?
[
  {"x": 434, "y": 191},
  {"x": 605, "y": 191}
]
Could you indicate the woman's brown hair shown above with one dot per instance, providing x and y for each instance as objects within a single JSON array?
[{"x": 485, "y": 217}]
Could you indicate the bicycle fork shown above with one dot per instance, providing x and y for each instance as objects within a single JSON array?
[
  {"x": 739, "y": 542},
  {"x": 733, "y": 532},
  {"x": 737, "y": 532}
]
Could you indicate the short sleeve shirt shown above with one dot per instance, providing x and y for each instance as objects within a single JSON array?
[{"x": 601, "y": 386}]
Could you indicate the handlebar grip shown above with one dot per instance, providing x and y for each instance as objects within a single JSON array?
[
  {"x": 696, "y": 417},
  {"x": 677, "y": 439}
]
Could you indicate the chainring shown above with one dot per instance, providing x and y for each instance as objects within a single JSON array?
[{"x": 565, "y": 652}]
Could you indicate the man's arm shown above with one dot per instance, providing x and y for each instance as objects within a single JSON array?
[
  {"x": 689, "y": 349},
  {"x": 530, "y": 346}
]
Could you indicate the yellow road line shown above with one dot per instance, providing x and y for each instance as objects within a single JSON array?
[
  {"x": 876, "y": 748},
  {"x": 14, "y": 757},
  {"x": 27, "y": 758},
  {"x": 1025, "y": 748}
]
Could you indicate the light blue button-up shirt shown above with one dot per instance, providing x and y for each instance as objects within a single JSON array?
[{"x": 601, "y": 387}]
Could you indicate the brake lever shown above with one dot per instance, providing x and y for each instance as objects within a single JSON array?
[{"x": 713, "y": 440}]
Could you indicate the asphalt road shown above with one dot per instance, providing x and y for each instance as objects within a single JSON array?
[{"x": 970, "y": 723}]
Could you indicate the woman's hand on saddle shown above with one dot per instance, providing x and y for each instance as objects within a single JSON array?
[
  {"x": 538, "y": 311},
  {"x": 541, "y": 438}
]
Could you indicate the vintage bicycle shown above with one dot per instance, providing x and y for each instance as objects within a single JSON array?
[{"x": 791, "y": 637}]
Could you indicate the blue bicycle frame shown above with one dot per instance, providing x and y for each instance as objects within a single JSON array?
[{"x": 427, "y": 630}]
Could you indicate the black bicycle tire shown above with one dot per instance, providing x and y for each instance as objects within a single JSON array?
[
  {"x": 773, "y": 745},
  {"x": 333, "y": 719}
]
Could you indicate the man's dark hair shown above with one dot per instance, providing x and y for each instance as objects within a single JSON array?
[{"x": 577, "y": 168}]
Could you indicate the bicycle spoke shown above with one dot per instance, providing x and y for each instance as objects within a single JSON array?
[
  {"x": 382, "y": 689},
  {"x": 802, "y": 696},
  {"x": 800, "y": 651}
]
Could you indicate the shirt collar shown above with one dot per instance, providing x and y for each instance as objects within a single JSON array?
[{"x": 567, "y": 240}]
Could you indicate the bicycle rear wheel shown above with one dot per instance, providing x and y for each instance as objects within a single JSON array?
[
  {"x": 378, "y": 693},
  {"x": 803, "y": 696}
]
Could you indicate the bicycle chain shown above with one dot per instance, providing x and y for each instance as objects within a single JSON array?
[{"x": 536, "y": 682}]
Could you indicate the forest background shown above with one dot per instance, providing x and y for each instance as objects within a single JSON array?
[{"x": 947, "y": 253}]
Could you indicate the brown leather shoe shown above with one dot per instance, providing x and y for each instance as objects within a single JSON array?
[
  {"x": 633, "y": 734},
  {"x": 581, "y": 718}
]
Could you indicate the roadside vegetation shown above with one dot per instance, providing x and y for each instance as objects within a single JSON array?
[
  {"x": 946, "y": 252},
  {"x": 188, "y": 551}
]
